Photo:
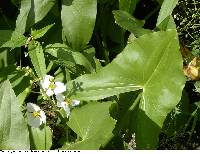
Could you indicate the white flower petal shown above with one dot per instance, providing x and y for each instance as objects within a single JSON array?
[
  {"x": 60, "y": 100},
  {"x": 42, "y": 116},
  {"x": 32, "y": 121},
  {"x": 32, "y": 107},
  {"x": 60, "y": 88},
  {"x": 49, "y": 92},
  {"x": 75, "y": 102},
  {"x": 35, "y": 121},
  {"x": 67, "y": 110},
  {"x": 45, "y": 82}
]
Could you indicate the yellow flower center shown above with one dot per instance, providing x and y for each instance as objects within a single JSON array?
[
  {"x": 36, "y": 114},
  {"x": 52, "y": 86},
  {"x": 68, "y": 101}
]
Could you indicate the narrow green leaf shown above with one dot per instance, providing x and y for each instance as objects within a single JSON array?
[
  {"x": 167, "y": 23},
  {"x": 41, "y": 32},
  {"x": 166, "y": 10},
  {"x": 128, "y": 22},
  {"x": 94, "y": 131},
  {"x": 78, "y": 19},
  {"x": 128, "y": 5},
  {"x": 22, "y": 19},
  {"x": 31, "y": 12},
  {"x": 37, "y": 58},
  {"x": 13, "y": 130},
  {"x": 152, "y": 63},
  {"x": 41, "y": 138}
]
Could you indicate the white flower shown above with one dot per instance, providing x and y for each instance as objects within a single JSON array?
[
  {"x": 36, "y": 116},
  {"x": 66, "y": 103},
  {"x": 51, "y": 87}
]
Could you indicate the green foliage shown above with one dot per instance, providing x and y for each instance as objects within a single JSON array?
[
  {"x": 39, "y": 33},
  {"x": 78, "y": 19},
  {"x": 31, "y": 12},
  {"x": 136, "y": 68},
  {"x": 12, "y": 39},
  {"x": 128, "y": 22},
  {"x": 115, "y": 75},
  {"x": 41, "y": 138},
  {"x": 93, "y": 131},
  {"x": 13, "y": 129},
  {"x": 128, "y": 5},
  {"x": 37, "y": 58},
  {"x": 165, "y": 14},
  {"x": 70, "y": 58}
]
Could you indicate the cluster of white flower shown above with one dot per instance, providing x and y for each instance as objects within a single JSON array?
[{"x": 36, "y": 116}]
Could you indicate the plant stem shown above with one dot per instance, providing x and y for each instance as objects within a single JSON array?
[
  {"x": 132, "y": 107},
  {"x": 190, "y": 118}
]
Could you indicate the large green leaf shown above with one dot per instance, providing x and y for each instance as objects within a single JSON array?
[
  {"x": 92, "y": 122},
  {"x": 41, "y": 138},
  {"x": 13, "y": 130},
  {"x": 31, "y": 12},
  {"x": 128, "y": 22},
  {"x": 78, "y": 19},
  {"x": 152, "y": 63},
  {"x": 166, "y": 11},
  {"x": 37, "y": 58}
]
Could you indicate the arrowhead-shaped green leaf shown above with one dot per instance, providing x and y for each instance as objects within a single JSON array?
[
  {"x": 78, "y": 19},
  {"x": 152, "y": 63},
  {"x": 13, "y": 129},
  {"x": 92, "y": 122}
]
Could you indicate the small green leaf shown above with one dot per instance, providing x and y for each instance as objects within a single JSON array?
[
  {"x": 65, "y": 54},
  {"x": 166, "y": 11},
  {"x": 92, "y": 122},
  {"x": 41, "y": 138},
  {"x": 78, "y": 20},
  {"x": 128, "y": 22},
  {"x": 12, "y": 39},
  {"x": 13, "y": 129},
  {"x": 37, "y": 58},
  {"x": 41, "y": 32}
]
